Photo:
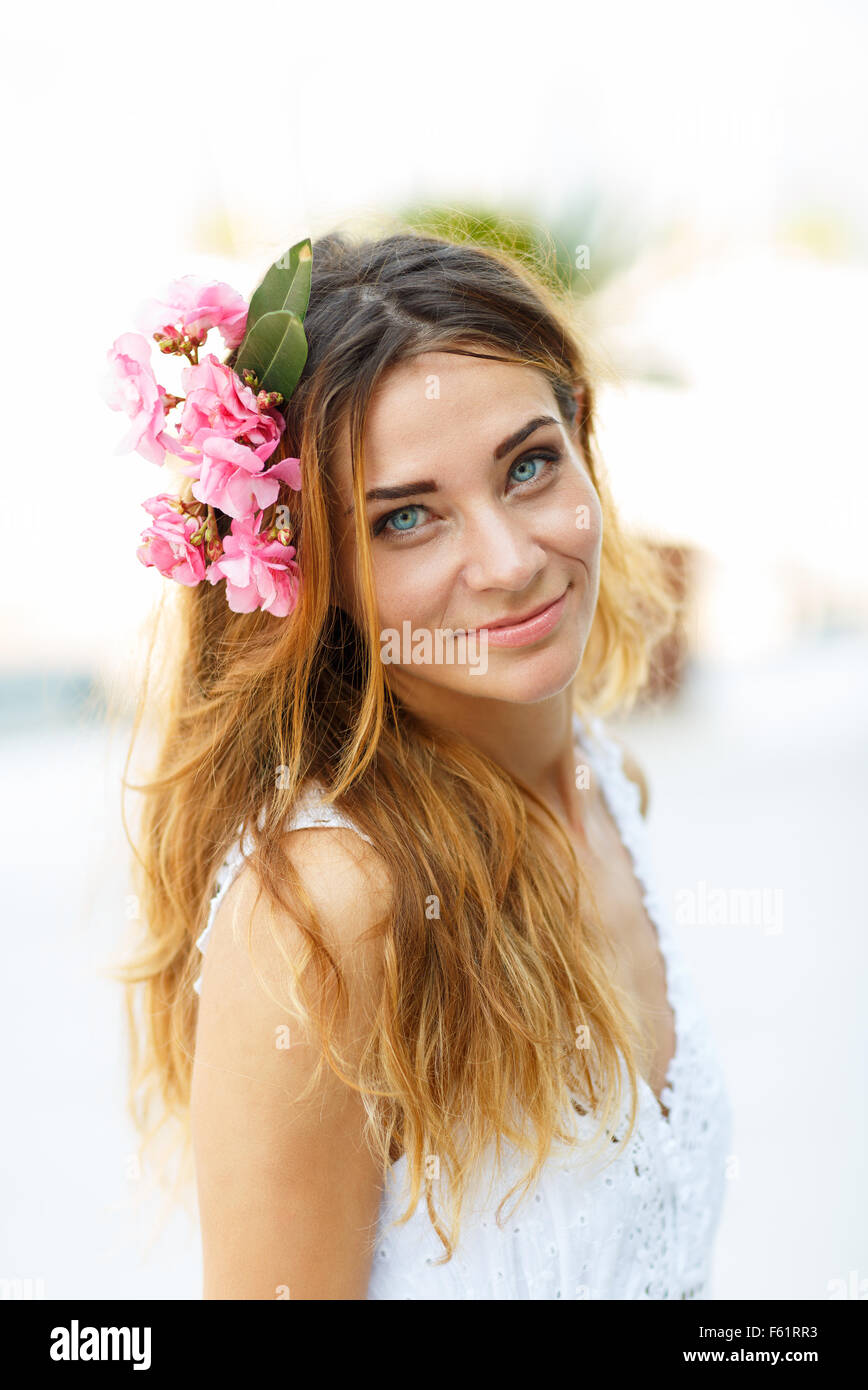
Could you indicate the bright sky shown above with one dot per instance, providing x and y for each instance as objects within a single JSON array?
[{"x": 124, "y": 125}]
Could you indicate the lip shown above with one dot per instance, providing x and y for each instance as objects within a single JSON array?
[
  {"x": 517, "y": 632},
  {"x": 519, "y": 622}
]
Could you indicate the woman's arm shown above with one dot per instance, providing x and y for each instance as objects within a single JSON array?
[{"x": 288, "y": 1192}]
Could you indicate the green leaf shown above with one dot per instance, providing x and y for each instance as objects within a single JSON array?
[
  {"x": 275, "y": 349},
  {"x": 285, "y": 285}
]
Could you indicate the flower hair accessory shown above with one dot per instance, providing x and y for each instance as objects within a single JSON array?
[{"x": 230, "y": 424}]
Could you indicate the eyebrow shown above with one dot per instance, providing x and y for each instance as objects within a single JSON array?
[{"x": 506, "y": 446}]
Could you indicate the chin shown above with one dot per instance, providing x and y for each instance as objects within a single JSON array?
[
  {"x": 527, "y": 688},
  {"x": 522, "y": 678}
]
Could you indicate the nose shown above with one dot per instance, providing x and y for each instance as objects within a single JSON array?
[{"x": 501, "y": 554}]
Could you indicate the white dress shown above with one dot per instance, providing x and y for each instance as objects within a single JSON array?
[{"x": 642, "y": 1227}]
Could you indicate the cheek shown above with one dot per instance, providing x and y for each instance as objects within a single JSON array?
[
  {"x": 588, "y": 524},
  {"x": 405, "y": 586},
  {"x": 573, "y": 523},
  {"x": 415, "y": 584}
]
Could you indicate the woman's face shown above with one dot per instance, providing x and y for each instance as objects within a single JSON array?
[{"x": 476, "y": 520}]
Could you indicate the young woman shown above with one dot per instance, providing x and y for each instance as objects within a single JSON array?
[{"x": 443, "y": 1044}]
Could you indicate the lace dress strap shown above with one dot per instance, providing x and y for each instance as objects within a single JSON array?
[
  {"x": 309, "y": 811},
  {"x": 624, "y": 801}
]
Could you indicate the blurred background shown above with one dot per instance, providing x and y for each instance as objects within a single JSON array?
[{"x": 695, "y": 178}]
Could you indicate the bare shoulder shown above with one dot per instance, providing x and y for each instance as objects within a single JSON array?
[
  {"x": 288, "y": 1189},
  {"x": 634, "y": 772},
  {"x": 341, "y": 875}
]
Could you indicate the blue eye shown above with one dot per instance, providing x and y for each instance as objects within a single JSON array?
[
  {"x": 523, "y": 463},
  {"x": 546, "y": 460},
  {"x": 399, "y": 519},
  {"x": 536, "y": 467}
]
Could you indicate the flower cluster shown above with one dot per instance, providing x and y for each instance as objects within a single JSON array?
[{"x": 224, "y": 434}]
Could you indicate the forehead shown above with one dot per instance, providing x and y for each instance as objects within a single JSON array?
[{"x": 428, "y": 404}]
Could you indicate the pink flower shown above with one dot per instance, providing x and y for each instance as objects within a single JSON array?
[
  {"x": 166, "y": 543},
  {"x": 259, "y": 573},
  {"x": 132, "y": 387},
  {"x": 232, "y": 477},
  {"x": 218, "y": 402},
  {"x": 192, "y": 307}
]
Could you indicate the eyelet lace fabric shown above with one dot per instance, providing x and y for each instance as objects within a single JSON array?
[{"x": 641, "y": 1227}]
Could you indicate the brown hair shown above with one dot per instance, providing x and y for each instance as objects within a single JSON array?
[{"x": 516, "y": 960}]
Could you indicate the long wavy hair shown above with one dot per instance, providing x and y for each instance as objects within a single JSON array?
[{"x": 517, "y": 959}]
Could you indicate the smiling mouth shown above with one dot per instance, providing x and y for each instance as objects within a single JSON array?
[{"x": 517, "y": 621}]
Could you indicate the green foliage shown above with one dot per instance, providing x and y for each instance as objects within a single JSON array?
[
  {"x": 275, "y": 346},
  {"x": 587, "y": 243},
  {"x": 285, "y": 285},
  {"x": 275, "y": 350}
]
